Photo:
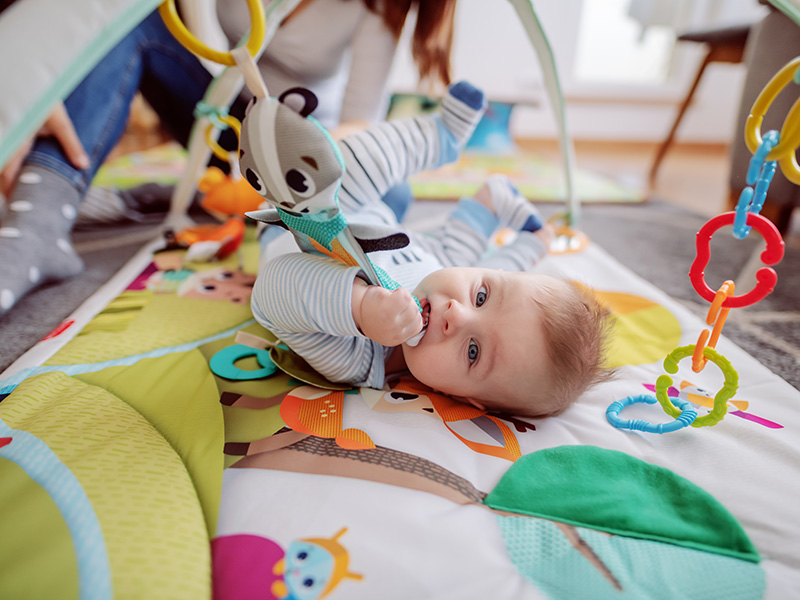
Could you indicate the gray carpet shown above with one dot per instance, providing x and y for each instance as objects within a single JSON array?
[{"x": 655, "y": 240}]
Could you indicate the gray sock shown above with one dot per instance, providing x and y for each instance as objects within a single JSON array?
[{"x": 35, "y": 243}]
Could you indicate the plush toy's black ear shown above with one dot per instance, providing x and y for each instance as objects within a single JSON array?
[{"x": 308, "y": 98}]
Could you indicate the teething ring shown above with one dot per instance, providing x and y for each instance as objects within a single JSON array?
[
  {"x": 223, "y": 363},
  {"x": 716, "y": 317},
  {"x": 176, "y": 27},
  {"x": 218, "y": 150},
  {"x": 790, "y": 132},
  {"x": 766, "y": 277},
  {"x": 684, "y": 419},
  {"x": 727, "y": 391}
]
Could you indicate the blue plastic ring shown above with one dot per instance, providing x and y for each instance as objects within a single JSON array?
[{"x": 686, "y": 418}]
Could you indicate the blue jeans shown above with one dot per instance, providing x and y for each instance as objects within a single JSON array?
[
  {"x": 170, "y": 78},
  {"x": 148, "y": 58}
]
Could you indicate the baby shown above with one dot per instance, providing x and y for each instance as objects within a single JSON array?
[{"x": 492, "y": 334}]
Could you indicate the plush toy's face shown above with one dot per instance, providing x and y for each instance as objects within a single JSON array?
[{"x": 287, "y": 157}]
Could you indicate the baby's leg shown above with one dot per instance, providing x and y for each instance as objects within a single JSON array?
[
  {"x": 465, "y": 237},
  {"x": 510, "y": 207},
  {"x": 35, "y": 234},
  {"x": 388, "y": 153}
]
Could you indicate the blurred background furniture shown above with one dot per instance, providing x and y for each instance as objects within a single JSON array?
[{"x": 725, "y": 45}]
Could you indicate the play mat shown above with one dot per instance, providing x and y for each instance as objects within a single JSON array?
[
  {"x": 150, "y": 449},
  {"x": 131, "y": 468}
]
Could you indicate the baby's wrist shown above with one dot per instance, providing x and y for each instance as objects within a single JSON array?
[{"x": 357, "y": 299}]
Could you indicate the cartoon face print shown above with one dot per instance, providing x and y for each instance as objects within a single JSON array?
[
  {"x": 287, "y": 157},
  {"x": 308, "y": 569},
  {"x": 219, "y": 284}
]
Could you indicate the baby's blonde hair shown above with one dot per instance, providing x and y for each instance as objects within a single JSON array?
[{"x": 577, "y": 329}]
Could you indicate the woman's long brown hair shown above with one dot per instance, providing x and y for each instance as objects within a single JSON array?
[{"x": 433, "y": 32}]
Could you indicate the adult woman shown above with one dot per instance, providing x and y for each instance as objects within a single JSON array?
[{"x": 45, "y": 185}]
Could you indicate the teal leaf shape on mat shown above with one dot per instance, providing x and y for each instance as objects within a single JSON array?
[{"x": 617, "y": 493}]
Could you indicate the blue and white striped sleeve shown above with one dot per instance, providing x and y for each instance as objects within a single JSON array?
[{"x": 305, "y": 300}]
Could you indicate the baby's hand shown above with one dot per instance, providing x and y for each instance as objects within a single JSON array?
[{"x": 387, "y": 317}]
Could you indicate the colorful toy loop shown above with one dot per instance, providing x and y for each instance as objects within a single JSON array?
[
  {"x": 176, "y": 27},
  {"x": 759, "y": 173},
  {"x": 716, "y": 317},
  {"x": 765, "y": 276},
  {"x": 223, "y": 363},
  {"x": 727, "y": 391},
  {"x": 218, "y": 150},
  {"x": 684, "y": 419},
  {"x": 790, "y": 132}
]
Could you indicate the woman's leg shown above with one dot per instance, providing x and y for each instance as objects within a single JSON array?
[{"x": 35, "y": 232}]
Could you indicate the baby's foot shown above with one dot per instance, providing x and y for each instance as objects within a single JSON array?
[
  {"x": 510, "y": 207},
  {"x": 462, "y": 109}
]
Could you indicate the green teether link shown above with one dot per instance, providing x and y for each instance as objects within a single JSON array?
[{"x": 727, "y": 391}]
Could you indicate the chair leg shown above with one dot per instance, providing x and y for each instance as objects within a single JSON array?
[{"x": 662, "y": 149}]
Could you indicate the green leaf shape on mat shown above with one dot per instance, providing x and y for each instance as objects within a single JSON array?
[
  {"x": 178, "y": 397},
  {"x": 614, "y": 492},
  {"x": 138, "y": 487},
  {"x": 36, "y": 538}
]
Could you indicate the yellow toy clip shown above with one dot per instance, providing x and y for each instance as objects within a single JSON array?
[
  {"x": 176, "y": 27},
  {"x": 218, "y": 150},
  {"x": 784, "y": 151}
]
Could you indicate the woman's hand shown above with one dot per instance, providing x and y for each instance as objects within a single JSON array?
[
  {"x": 58, "y": 125},
  {"x": 384, "y": 316}
]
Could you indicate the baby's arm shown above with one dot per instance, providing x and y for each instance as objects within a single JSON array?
[{"x": 305, "y": 300}]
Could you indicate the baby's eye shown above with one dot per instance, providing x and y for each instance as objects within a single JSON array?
[
  {"x": 473, "y": 351},
  {"x": 480, "y": 298}
]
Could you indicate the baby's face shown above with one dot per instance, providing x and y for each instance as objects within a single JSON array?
[
  {"x": 233, "y": 286},
  {"x": 484, "y": 337}
]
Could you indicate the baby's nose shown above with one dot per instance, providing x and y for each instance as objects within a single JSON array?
[{"x": 454, "y": 317}]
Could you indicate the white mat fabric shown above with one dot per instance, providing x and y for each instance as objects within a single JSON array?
[{"x": 407, "y": 543}]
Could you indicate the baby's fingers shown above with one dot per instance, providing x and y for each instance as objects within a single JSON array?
[{"x": 406, "y": 309}]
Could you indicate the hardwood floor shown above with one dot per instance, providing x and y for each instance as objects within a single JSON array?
[{"x": 693, "y": 176}]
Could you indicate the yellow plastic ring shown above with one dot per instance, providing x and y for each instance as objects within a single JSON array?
[
  {"x": 790, "y": 132},
  {"x": 176, "y": 27},
  {"x": 790, "y": 168},
  {"x": 218, "y": 150}
]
